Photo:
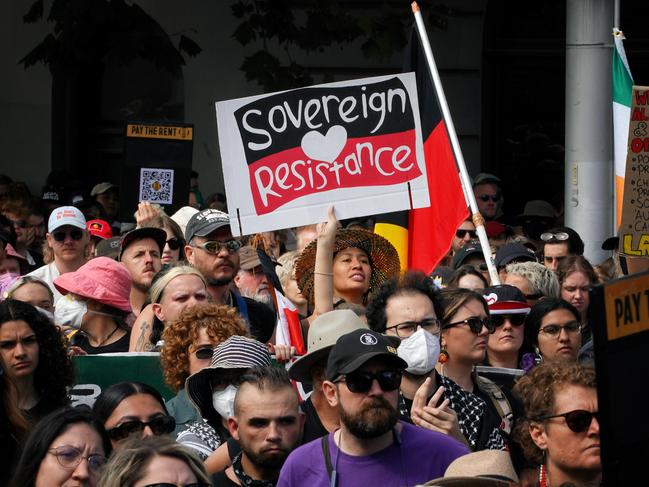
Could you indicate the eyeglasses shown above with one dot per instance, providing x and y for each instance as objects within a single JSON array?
[
  {"x": 361, "y": 382},
  {"x": 555, "y": 330},
  {"x": 166, "y": 484},
  {"x": 549, "y": 236},
  {"x": 174, "y": 243},
  {"x": 70, "y": 457},
  {"x": 60, "y": 235},
  {"x": 486, "y": 197},
  {"x": 475, "y": 324},
  {"x": 461, "y": 233},
  {"x": 407, "y": 328},
  {"x": 214, "y": 246},
  {"x": 577, "y": 420},
  {"x": 19, "y": 223},
  {"x": 204, "y": 353},
  {"x": 515, "y": 320},
  {"x": 162, "y": 425}
]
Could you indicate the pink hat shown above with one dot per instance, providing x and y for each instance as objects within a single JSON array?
[{"x": 100, "y": 279}]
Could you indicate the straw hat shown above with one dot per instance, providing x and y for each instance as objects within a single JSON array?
[
  {"x": 384, "y": 258},
  {"x": 485, "y": 468},
  {"x": 100, "y": 279}
]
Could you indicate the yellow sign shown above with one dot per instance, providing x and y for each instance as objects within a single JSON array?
[
  {"x": 627, "y": 306},
  {"x": 159, "y": 132}
]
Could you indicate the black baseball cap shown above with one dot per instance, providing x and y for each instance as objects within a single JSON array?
[
  {"x": 205, "y": 222},
  {"x": 505, "y": 299},
  {"x": 354, "y": 349},
  {"x": 157, "y": 234},
  {"x": 514, "y": 251},
  {"x": 464, "y": 253}
]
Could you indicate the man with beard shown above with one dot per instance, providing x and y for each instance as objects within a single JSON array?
[
  {"x": 250, "y": 280},
  {"x": 371, "y": 447},
  {"x": 267, "y": 423},
  {"x": 215, "y": 253},
  {"x": 140, "y": 253}
]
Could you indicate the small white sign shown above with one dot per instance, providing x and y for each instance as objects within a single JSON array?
[{"x": 156, "y": 185}]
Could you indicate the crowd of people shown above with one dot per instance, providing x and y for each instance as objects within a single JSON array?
[{"x": 403, "y": 378}]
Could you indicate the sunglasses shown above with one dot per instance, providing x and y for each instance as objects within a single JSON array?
[
  {"x": 361, "y": 382},
  {"x": 19, "y": 223},
  {"x": 214, "y": 246},
  {"x": 578, "y": 420},
  {"x": 60, "y": 235},
  {"x": 475, "y": 324},
  {"x": 70, "y": 457},
  {"x": 555, "y": 330},
  {"x": 204, "y": 353},
  {"x": 487, "y": 197},
  {"x": 407, "y": 328},
  {"x": 175, "y": 243},
  {"x": 549, "y": 236},
  {"x": 162, "y": 425},
  {"x": 515, "y": 320},
  {"x": 166, "y": 484},
  {"x": 461, "y": 233}
]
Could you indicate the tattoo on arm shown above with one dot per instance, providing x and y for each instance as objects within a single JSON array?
[{"x": 141, "y": 345}]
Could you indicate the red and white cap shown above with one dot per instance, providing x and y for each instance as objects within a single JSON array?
[
  {"x": 99, "y": 228},
  {"x": 66, "y": 215}
]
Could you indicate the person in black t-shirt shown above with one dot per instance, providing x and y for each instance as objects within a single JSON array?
[{"x": 267, "y": 423}]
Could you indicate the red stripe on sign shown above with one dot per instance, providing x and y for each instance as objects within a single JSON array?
[{"x": 370, "y": 161}]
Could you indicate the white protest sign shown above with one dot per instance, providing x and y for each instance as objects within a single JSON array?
[{"x": 287, "y": 156}]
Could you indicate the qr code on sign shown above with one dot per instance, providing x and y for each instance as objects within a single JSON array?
[{"x": 157, "y": 185}]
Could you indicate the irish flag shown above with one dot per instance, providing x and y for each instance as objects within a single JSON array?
[{"x": 622, "y": 84}]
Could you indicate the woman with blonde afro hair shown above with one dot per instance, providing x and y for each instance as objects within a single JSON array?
[{"x": 188, "y": 345}]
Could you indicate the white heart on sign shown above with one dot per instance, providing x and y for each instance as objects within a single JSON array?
[{"x": 320, "y": 147}]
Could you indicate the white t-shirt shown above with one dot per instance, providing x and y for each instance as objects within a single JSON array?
[{"x": 47, "y": 274}]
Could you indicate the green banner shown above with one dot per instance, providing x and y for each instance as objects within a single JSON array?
[{"x": 94, "y": 373}]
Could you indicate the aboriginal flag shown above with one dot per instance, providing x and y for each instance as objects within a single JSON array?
[{"x": 428, "y": 232}]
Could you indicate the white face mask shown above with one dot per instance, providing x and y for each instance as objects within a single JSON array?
[
  {"x": 420, "y": 350},
  {"x": 69, "y": 311},
  {"x": 223, "y": 401}
]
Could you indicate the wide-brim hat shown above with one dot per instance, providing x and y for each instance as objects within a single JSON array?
[
  {"x": 485, "y": 468},
  {"x": 100, "y": 279},
  {"x": 157, "y": 234},
  {"x": 384, "y": 258},
  {"x": 237, "y": 352},
  {"x": 323, "y": 333}
]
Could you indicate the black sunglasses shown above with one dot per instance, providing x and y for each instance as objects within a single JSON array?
[
  {"x": 487, "y": 197},
  {"x": 361, "y": 382},
  {"x": 578, "y": 420},
  {"x": 59, "y": 235},
  {"x": 475, "y": 324},
  {"x": 204, "y": 353},
  {"x": 461, "y": 233},
  {"x": 174, "y": 243},
  {"x": 515, "y": 320},
  {"x": 162, "y": 425}
]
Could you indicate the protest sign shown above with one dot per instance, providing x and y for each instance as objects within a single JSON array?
[
  {"x": 287, "y": 156},
  {"x": 157, "y": 166},
  {"x": 619, "y": 320},
  {"x": 634, "y": 230},
  {"x": 94, "y": 373}
]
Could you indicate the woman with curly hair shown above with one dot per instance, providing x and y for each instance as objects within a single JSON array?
[
  {"x": 560, "y": 431},
  {"x": 36, "y": 368},
  {"x": 189, "y": 342}
]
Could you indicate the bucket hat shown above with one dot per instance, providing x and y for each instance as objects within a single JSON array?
[
  {"x": 485, "y": 468},
  {"x": 384, "y": 259},
  {"x": 100, "y": 279}
]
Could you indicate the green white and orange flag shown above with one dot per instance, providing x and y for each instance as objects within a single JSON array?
[{"x": 622, "y": 85}]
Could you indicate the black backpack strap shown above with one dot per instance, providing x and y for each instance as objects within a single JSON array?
[{"x": 324, "y": 441}]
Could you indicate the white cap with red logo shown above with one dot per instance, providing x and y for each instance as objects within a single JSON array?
[{"x": 66, "y": 215}]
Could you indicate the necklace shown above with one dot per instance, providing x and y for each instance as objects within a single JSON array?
[
  {"x": 543, "y": 476},
  {"x": 108, "y": 337}
]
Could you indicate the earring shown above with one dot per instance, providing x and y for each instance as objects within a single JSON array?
[{"x": 443, "y": 356}]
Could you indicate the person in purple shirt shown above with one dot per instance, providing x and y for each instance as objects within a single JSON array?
[{"x": 371, "y": 447}]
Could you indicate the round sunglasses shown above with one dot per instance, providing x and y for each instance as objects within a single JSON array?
[
  {"x": 361, "y": 382},
  {"x": 578, "y": 420},
  {"x": 162, "y": 425},
  {"x": 515, "y": 320}
]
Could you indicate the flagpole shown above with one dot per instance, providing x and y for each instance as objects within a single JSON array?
[{"x": 478, "y": 221}]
